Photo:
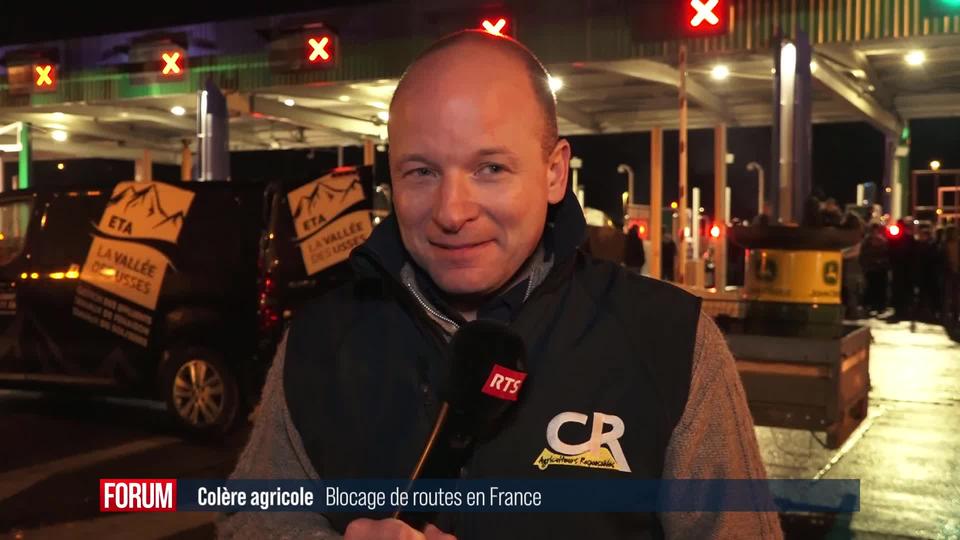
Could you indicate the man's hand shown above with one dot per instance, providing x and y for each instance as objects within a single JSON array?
[{"x": 391, "y": 529}]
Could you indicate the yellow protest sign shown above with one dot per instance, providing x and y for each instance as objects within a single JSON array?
[{"x": 325, "y": 234}]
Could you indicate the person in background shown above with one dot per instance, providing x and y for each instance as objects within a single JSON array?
[
  {"x": 951, "y": 266},
  {"x": 901, "y": 248},
  {"x": 852, "y": 275},
  {"x": 634, "y": 256},
  {"x": 875, "y": 262},
  {"x": 927, "y": 275},
  {"x": 668, "y": 254},
  {"x": 831, "y": 215}
]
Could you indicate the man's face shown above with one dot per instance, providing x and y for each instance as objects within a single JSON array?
[{"x": 471, "y": 183}]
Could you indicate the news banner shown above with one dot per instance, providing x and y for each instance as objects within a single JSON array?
[{"x": 461, "y": 495}]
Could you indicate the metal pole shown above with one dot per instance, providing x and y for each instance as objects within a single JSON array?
[
  {"x": 719, "y": 204},
  {"x": 788, "y": 76},
  {"x": 368, "y": 155},
  {"x": 143, "y": 168},
  {"x": 26, "y": 157},
  {"x": 695, "y": 224},
  {"x": 623, "y": 168},
  {"x": 186, "y": 162},
  {"x": 575, "y": 164},
  {"x": 340, "y": 156},
  {"x": 656, "y": 202},
  {"x": 682, "y": 242},
  {"x": 727, "y": 203},
  {"x": 754, "y": 166}
]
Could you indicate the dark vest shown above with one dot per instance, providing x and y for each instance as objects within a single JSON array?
[{"x": 363, "y": 365}]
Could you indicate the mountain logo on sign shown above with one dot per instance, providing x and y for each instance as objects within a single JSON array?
[
  {"x": 323, "y": 194},
  {"x": 143, "y": 207}
]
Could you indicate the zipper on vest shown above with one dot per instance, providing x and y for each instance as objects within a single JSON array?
[{"x": 429, "y": 309}]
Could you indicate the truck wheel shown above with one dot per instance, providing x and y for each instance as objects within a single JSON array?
[{"x": 201, "y": 391}]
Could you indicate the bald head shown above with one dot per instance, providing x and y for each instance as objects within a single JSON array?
[{"x": 472, "y": 50}]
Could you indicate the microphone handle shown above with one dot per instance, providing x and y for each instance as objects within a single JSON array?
[{"x": 437, "y": 426}]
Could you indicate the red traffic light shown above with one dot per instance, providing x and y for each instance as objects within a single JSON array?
[
  {"x": 321, "y": 49},
  {"x": 894, "y": 231},
  {"x": 706, "y": 17},
  {"x": 495, "y": 25}
]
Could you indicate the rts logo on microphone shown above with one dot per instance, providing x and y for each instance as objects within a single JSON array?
[{"x": 504, "y": 383}]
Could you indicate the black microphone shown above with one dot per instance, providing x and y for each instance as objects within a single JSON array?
[{"x": 486, "y": 372}]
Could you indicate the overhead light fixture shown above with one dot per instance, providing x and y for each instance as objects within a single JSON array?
[
  {"x": 58, "y": 115},
  {"x": 344, "y": 98},
  {"x": 59, "y": 135},
  {"x": 379, "y": 105},
  {"x": 177, "y": 110},
  {"x": 915, "y": 58},
  {"x": 556, "y": 83},
  {"x": 289, "y": 102},
  {"x": 934, "y": 165},
  {"x": 383, "y": 115},
  {"x": 60, "y": 166},
  {"x": 720, "y": 72}
]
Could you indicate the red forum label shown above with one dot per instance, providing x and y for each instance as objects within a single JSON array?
[
  {"x": 504, "y": 383},
  {"x": 138, "y": 495}
]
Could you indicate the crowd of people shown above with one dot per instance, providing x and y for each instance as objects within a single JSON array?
[
  {"x": 908, "y": 270},
  {"x": 912, "y": 267}
]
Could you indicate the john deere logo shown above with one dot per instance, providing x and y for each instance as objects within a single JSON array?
[
  {"x": 765, "y": 269},
  {"x": 831, "y": 272}
]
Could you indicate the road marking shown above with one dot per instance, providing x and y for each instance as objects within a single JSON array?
[
  {"x": 851, "y": 441},
  {"x": 15, "y": 481}
]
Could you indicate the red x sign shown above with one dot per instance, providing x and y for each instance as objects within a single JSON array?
[
  {"x": 172, "y": 64},
  {"x": 45, "y": 75},
  {"x": 321, "y": 48},
  {"x": 704, "y": 12},
  {"x": 706, "y": 17},
  {"x": 496, "y": 28},
  {"x": 318, "y": 49}
]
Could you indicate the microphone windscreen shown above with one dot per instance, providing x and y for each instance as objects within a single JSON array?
[{"x": 487, "y": 372}]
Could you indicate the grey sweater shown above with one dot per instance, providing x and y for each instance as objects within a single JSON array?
[{"x": 714, "y": 439}]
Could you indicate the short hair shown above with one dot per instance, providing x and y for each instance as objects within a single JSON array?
[{"x": 537, "y": 74}]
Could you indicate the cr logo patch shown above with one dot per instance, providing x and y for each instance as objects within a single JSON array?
[{"x": 601, "y": 451}]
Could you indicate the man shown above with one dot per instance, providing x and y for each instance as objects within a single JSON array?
[
  {"x": 486, "y": 227},
  {"x": 876, "y": 266}
]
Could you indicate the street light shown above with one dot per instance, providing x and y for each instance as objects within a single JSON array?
[
  {"x": 575, "y": 164},
  {"x": 754, "y": 166},
  {"x": 623, "y": 168},
  {"x": 720, "y": 72},
  {"x": 555, "y": 83},
  {"x": 934, "y": 165},
  {"x": 915, "y": 58}
]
